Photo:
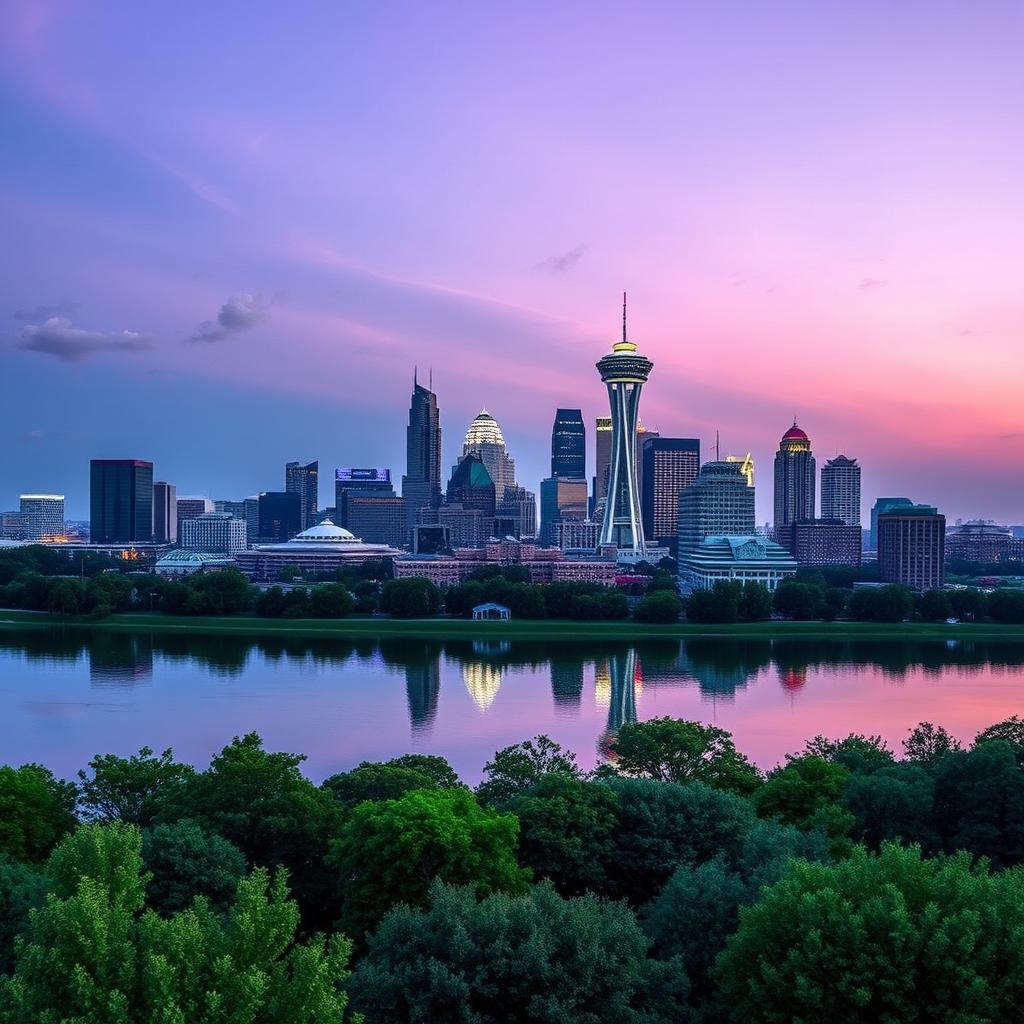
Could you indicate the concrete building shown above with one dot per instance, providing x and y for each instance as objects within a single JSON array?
[
  {"x": 42, "y": 516},
  {"x": 120, "y": 501},
  {"x": 165, "y": 512},
  {"x": 520, "y": 508},
  {"x": 191, "y": 508},
  {"x": 576, "y": 535},
  {"x": 354, "y": 480},
  {"x": 717, "y": 504},
  {"x": 214, "y": 533},
  {"x": 822, "y": 542},
  {"x": 460, "y": 526},
  {"x": 670, "y": 464},
  {"x": 180, "y": 562},
  {"x": 561, "y": 499},
  {"x": 795, "y": 481},
  {"x": 304, "y": 480},
  {"x": 980, "y": 540},
  {"x": 421, "y": 484},
  {"x": 737, "y": 559},
  {"x": 911, "y": 546},
  {"x": 377, "y": 518},
  {"x": 840, "y": 490},
  {"x": 485, "y": 439},
  {"x": 883, "y": 505},
  {"x": 10, "y": 526}
]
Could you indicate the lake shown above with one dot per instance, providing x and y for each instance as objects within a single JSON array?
[{"x": 68, "y": 694}]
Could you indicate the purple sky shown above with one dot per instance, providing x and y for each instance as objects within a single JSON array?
[{"x": 231, "y": 229}]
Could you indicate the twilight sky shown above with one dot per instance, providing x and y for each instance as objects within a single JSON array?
[{"x": 230, "y": 230}]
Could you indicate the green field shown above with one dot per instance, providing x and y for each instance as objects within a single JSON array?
[{"x": 518, "y": 629}]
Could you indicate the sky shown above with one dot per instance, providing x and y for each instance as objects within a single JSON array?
[{"x": 231, "y": 231}]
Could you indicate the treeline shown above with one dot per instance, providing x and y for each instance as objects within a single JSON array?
[{"x": 675, "y": 883}]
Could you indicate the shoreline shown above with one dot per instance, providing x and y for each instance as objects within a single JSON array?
[{"x": 517, "y": 629}]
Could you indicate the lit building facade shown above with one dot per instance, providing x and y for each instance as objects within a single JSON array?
[
  {"x": 303, "y": 479},
  {"x": 624, "y": 371},
  {"x": 794, "y": 478},
  {"x": 421, "y": 484},
  {"x": 840, "y": 490},
  {"x": 120, "y": 501},
  {"x": 746, "y": 463},
  {"x": 670, "y": 464},
  {"x": 569, "y": 445},
  {"x": 561, "y": 499},
  {"x": 717, "y": 504},
  {"x": 735, "y": 559},
  {"x": 980, "y": 540},
  {"x": 191, "y": 508},
  {"x": 350, "y": 481},
  {"x": 215, "y": 533},
  {"x": 165, "y": 512},
  {"x": 822, "y": 542},
  {"x": 42, "y": 516},
  {"x": 912, "y": 547},
  {"x": 576, "y": 535},
  {"x": 485, "y": 439}
]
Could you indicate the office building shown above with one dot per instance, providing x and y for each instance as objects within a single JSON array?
[
  {"x": 569, "y": 445},
  {"x": 520, "y": 506},
  {"x": 251, "y": 514},
  {"x": 377, "y": 518},
  {"x": 980, "y": 540},
  {"x": 421, "y": 484},
  {"x": 603, "y": 460},
  {"x": 455, "y": 525},
  {"x": 822, "y": 542},
  {"x": 42, "y": 516},
  {"x": 304, "y": 480},
  {"x": 232, "y": 508},
  {"x": 840, "y": 490},
  {"x": 280, "y": 513},
  {"x": 911, "y": 546},
  {"x": 576, "y": 535},
  {"x": 10, "y": 526},
  {"x": 561, "y": 498},
  {"x": 215, "y": 533},
  {"x": 120, "y": 501},
  {"x": 794, "y": 478},
  {"x": 191, "y": 508},
  {"x": 485, "y": 439},
  {"x": 884, "y": 505},
  {"x": 183, "y": 562},
  {"x": 746, "y": 464},
  {"x": 352, "y": 480},
  {"x": 734, "y": 559},
  {"x": 717, "y": 504},
  {"x": 624, "y": 371},
  {"x": 165, "y": 512},
  {"x": 471, "y": 486},
  {"x": 670, "y": 464}
]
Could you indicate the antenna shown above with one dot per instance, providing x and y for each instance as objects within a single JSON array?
[
  {"x": 718, "y": 448},
  {"x": 623, "y": 317},
  {"x": 415, "y": 381},
  {"x": 431, "y": 378}
]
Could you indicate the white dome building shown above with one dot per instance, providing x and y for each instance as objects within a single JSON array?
[{"x": 484, "y": 438}]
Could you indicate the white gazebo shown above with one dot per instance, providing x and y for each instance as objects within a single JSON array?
[{"x": 490, "y": 610}]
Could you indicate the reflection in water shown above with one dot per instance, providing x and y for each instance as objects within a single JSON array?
[
  {"x": 566, "y": 682},
  {"x": 120, "y": 659},
  {"x": 793, "y": 679},
  {"x": 422, "y": 686},
  {"x": 482, "y": 682}
]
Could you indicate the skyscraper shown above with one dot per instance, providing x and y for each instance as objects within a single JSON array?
[
  {"x": 120, "y": 501},
  {"x": 42, "y": 516},
  {"x": 883, "y": 505},
  {"x": 717, "y": 504},
  {"x": 280, "y": 514},
  {"x": 669, "y": 465},
  {"x": 165, "y": 512},
  {"x": 794, "y": 478},
  {"x": 561, "y": 498},
  {"x": 471, "y": 486},
  {"x": 484, "y": 438},
  {"x": 350, "y": 481},
  {"x": 421, "y": 484},
  {"x": 602, "y": 457},
  {"x": 625, "y": 371},
  {"x": 303, "y": 480},
  {"x": 840, "y": 490},
  {"x": 191, "y": 508},
  {"x": 214, "y": 533},
  {"x": 569, "y": 445},
  {"x": 746, "y": 466},
  {"x": 911, "y": 546}
]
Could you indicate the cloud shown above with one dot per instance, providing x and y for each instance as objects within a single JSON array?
[
  {"x": 870, "y": 282},
  {"x": 40, "y": 313},
  {"x": 966, "y": 333},
  {"x": 566, "y": 261},
  {"x": 240, "y": 313},
  {"x": 57, "y": 337}
]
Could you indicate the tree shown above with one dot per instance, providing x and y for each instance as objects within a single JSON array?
[
  {"x": 271, "y": 603},
  {"x": 36, "y": 811},
  {"x": 927, "y": 744},
  {"x": 130, "y": 789},
  {"x": 22, "y": 888},
  {"x": 856, "y": 753},
  {"x": 567, "y": 831},
  {"x": 935, "y": 606},
  {"x": 436, "y": 768},
  {"x": 532, "y": 957},
  {"x": 796, "y": 600},
  {"x": 1010, "y": 730},
  {"x": 755, "y": 602},
  {"x": 835, "y": 604},
  {"x": 892, "y": 804},
  {"x": 411, "y": 597},
  {"x": 969, "y": 605},
  {"x": 719, "y": 604},
  {"x": 890, "y": 603},
  {"x": 388, "y": 852},
  {"x": 661, "y": 606},
  {"x": 369, "y": 781},
  {"x": 674, "y": 750},
  {"x": 185, "y": 861},
  {"x": 66, "y": 598},
  {"x": 93, "y": 954},
  {"x": 515, "y": 769},
  {"x": 330, "y": 601},
  {"x": 1006, "y": 606},
  {"x": 224, "y": 592},
  {"x": 874, "y": 939}
]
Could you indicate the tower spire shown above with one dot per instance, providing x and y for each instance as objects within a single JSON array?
[
  {"x": 415, "y": 371},
  {"x": 624, "y": 317}
]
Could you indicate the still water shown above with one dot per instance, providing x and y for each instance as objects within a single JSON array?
[{"x": 65, "y": 695}]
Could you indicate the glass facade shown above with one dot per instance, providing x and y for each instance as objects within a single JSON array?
[
  {"x": 120, "y": 501},
  {"x": 569, "y": 444}
]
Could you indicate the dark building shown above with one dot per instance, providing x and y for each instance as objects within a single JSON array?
[
  {"x": 794, "y": 478},
  {"x": 421, "y": 484},
  {"x": 669, "y": 464},
  {"x": 350, "y": 481},
  {"x": 190, "y": 508},
  {"x": 165, "y": 512},
  {"x": 911, "y": 546},
  {"x": 569, "y": 445},
  {"x": 377, "y": 518},
  {"x": 883, "y": 505},
  {"x": 561, "y": 498},
  {"x": 303, "y": 480},
  {"x": 280, "y": 515},
  {"x": 471, "y": 486},
  {"x": 979, "y": 540},
  {"x": 840, "y": 490},
  {"x": 821, "y": 542},
  {"x": 120, "y": 501}
]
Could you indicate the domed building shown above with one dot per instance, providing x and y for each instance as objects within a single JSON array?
[
  {"x": 322, "y": 548},
  {"x": 795, "y": 478},
  {"x": 485, "y": 439}
]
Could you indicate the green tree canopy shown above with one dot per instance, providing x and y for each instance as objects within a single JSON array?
[
  {"x": 36, "y": 811},
  {"x": 659, "y": 606},
  {"x": 411, "y": 597},
  {"x": 130, "y": 789},
  {"x": 927, "y": 744},
  {"x": 513, "y": 770},
  {"x": 374, "y": 781}
]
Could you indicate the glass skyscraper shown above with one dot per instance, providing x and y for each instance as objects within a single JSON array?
[
  {"x": 120, "y": 501},
  {"x": 569, "y": 445},
  {"x": 303, "y": 480},
  {"x": 421, "y": 484}
]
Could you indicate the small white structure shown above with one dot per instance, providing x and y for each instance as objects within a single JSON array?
[{"x": 491, "y": 611}]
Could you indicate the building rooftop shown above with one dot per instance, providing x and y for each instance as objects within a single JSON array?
[
  {"x": 483, "y": 430},
  {"x": 180, "y": 557}
]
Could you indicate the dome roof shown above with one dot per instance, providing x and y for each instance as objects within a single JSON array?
[
  {"x": 483, "y": 430},
  {"x": 795, "y": 434},
  {"x": 323, "y": 533}
]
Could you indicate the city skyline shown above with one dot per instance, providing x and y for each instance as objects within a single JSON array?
[{"x": 802, "y": 237}]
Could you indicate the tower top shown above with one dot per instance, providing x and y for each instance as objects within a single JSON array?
[{"x": 625, "y": 345}]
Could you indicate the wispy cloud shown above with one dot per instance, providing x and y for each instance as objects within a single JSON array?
[
  {"x": 565, "y": 261},
  {"x": 39, "y": 314},
  {"x": 57, "y": 337},
  {"x": 240, "y": 313},
  {"x": 866, "y": 283}
]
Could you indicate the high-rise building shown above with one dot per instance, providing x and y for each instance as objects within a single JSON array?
[
  {"x": 569, "y": 445},
  {"x": 603, "y": 458},
  {"x": 280, "y": 513},
  {"x": 377, "y": 518},
  {"x": 251, "y": 514},
  {"x": 191, "y": 508},
  {"x": 120, "y": 501},
  {"x": 717, "y": 504},
  {"x": 42, "y": 516},
  {"x": 215, "y": 533},
  {"x": 10, "y": 526},
  {"x": 484, "y": 438},
  {"x": 165, "y": 512},
  {"x": 350, "y": 481},
  {"x": 561, "y": 498},
  {"x": 669, "y": 465},
  {"x": 840, "y": 490},
  {"x": 519, "y": 505},
  {"x": 471, "y": 486},
  {"x": 911, "y": 546},
  {"x": 884, "y": 505},
  {"x": 625, "y": 371},
  {"x": 822, "y": 541},
  {"x": 304, "y": 480},
  {"x": 794, "y": 478},
  {"x": 421, "y": 484},
  {"x": 746, "y": 466}
]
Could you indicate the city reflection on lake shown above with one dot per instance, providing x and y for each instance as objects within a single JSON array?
[{"x": 65, "y": 695}]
